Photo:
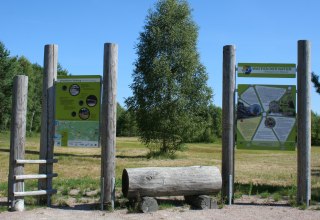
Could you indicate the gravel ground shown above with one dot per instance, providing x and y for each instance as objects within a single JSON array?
[
  {"x": 246, "y": 208},
  {"x": 239, "y": 212}
]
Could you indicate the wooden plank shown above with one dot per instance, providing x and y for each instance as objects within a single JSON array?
[
  {"x": 304, "y": 123},
  {"x": 36, "y": 161},
  {"x": 170, "y": 181},
  {"x": 228, "y": 120},
  {"x": 108, "y": 122},
  {"x": 36, "y": 193},
  {"x": 35, "y": 176},
  {"x": 17, "y": 139}
]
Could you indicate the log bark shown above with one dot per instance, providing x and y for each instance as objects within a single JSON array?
[{"x": 170, "y": 181}]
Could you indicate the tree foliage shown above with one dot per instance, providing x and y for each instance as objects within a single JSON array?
[
  {"x": 9, "y": 68},
  {"x": 316, "y": 83},
  {"x": 315, "y": 129},
  {"x": 170, "y": 93}
]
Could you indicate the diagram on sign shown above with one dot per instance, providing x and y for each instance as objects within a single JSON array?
[{"x": 266, "y": 117}]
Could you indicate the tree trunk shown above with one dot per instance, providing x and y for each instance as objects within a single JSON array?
[{"x": 170, "y": 181}]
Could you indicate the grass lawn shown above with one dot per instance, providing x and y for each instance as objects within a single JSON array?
[{"x": 256, "y": 171}]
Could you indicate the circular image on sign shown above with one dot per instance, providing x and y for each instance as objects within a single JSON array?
[
  {"x": 84, "y": 113},
  {"x": 270, "y": 122},
  {"x": 64, "y": 88},
  {"x": 74, "y": 89},
  {"x": 274, "y": 107},
  {"x": 91, "y": 100},
  {"x": 73, "y": 114},
  {"x": 255, "y": 109}
]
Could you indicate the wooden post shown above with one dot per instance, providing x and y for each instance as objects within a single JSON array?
[
  {"x": 108, "y": 123},
  {"x": 17, "y": 140},
  {"x": 304, "y": 122},
  {"x": 47, "y": 118},
  {"x": 228, "y": 121}
]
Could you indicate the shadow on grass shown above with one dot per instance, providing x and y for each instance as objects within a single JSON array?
[
  {"x": 80, "y": 207},
  {"x": 78, "y": 155},
  {"x": 290, "y": 191},
  {"x": 315, "y": 172}
]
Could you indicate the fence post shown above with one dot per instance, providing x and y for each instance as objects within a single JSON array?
[
  {"x": 228, "y": 121},
  {"x": 47, "y": 118},
  {"x": 17, "y": 140},
  {"x": 304, "y": 122},
  {"x": 108, "y": 122}
]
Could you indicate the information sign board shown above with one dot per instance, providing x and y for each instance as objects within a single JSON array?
[
  {"x": 77, "y": 111},
  {"x": 270, "y": 70},
  {"x": 266, "y": 117}
]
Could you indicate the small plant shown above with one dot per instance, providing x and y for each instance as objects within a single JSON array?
[
  {"x": 250, "y": 189},
  {"x": 265, "y": 195},
  {"x": 165, "y": 205},
  {"x": 276, "y": 197}
]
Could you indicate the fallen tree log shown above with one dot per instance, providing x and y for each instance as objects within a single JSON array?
[{"x": 170, "y": 181}]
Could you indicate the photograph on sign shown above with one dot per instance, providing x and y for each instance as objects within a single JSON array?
[
  {"x": 266, "y": 117},
  {"x": 269, "y": 70},
  {"x": 77, "y": 114}
]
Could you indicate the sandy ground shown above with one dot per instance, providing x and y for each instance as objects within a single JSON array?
[{"x": 237, "y": 211}]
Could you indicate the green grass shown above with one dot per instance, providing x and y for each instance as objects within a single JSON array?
[{"x": 256, "y": 171}]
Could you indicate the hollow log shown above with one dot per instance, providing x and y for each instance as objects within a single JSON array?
[{"x": 170, "y": 181}]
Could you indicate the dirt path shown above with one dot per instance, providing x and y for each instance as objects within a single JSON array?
[{"x": 239, "y": 212}]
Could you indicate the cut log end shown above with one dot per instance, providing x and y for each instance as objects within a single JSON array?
[{"x": 148, "y": 204}]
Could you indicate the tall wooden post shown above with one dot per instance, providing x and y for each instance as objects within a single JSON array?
[
  {"x": 108, "y": 123},
  {"x": 228, "y": 121},
  {"x": 47, "y": 118},
  {"x": 17, "y": 140},
  {"x": 304, "y": 122}
]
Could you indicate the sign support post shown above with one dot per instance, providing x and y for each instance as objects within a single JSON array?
[
  {"x": 304, "y": 122},
  {"x": 228, "y": 121}
]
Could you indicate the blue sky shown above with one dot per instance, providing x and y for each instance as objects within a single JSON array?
[{"x": 262, "y": 31}]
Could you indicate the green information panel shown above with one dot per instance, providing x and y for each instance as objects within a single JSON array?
[
  {"x": 270, "y": 70},
  {"x": 77, "y": 111},
  {"x": 266, "y": 117}
]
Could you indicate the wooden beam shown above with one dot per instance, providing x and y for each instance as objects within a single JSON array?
[
  {"x": 47, "y": 118},
  {"x": 229, "y": 65},
  {"x": 36, "y": 193},
  {"x": 17, "y": 139},
  {"x": 35, "y": 176},
  {"x": 36, "y": 161},
  {"x": 108, "y": 123},
  {"x": 304, "y": 123}
]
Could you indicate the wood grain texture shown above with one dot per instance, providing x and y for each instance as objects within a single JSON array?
[
  {"x": 47, "y": 117},
  {"x": 148, "y": 204},
  {"x": 201, "y": 202},
  {"x": 17, "y": 139},
  {"x": 108, "y": 122},
  {"x": 304, "y": 123},
  {"x": 228, "y": 119},
  {"x": 170, "y": 181}
]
